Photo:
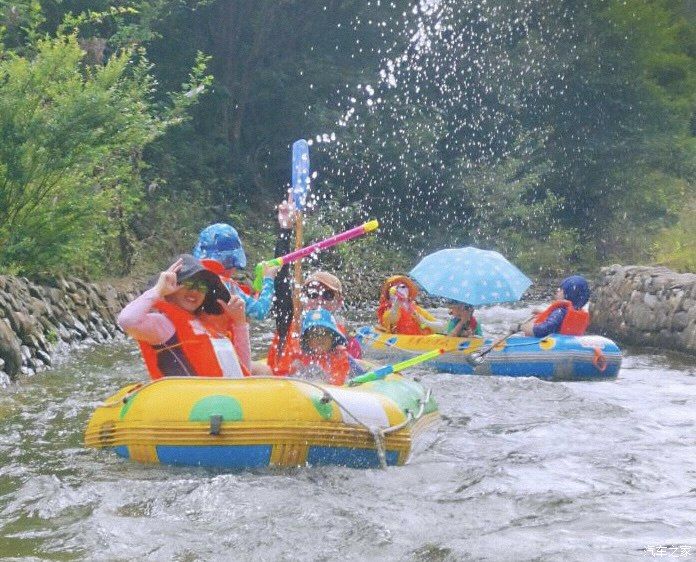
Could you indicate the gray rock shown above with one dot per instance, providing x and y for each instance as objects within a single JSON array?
[
  {"x": 26, "y": 353},
  {"x": 646, "y": 305},
  {"x": 680, "y": 321},
  {"x": 10, "y": 350},
  {"x": 45, "y": 357},
  {"x": 81, "y": 328},
  {"x": 650, "y": 300},
  {"x": 64, "y": 333}
]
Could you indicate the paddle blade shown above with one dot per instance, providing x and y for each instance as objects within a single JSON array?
[{"x": 300, "y": 173}]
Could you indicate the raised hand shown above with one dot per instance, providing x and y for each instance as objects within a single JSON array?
[
  {"x": 269, "y": 270},
  {"x": 234, "y": 309},
  {"x": 287, "y": 212},
  {"x": 167, "y": 282}
]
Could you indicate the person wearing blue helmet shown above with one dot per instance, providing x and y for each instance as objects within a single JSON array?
[
  {"x": 220, "y": 250},
  {"x": 323, "y": 346},
  {"x": 566, "y": 314}
]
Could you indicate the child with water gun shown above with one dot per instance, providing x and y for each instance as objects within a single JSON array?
[{"x": 398, "y": 312}]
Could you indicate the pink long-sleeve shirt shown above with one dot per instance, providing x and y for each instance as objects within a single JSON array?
[{"x": 140, "y": 322}]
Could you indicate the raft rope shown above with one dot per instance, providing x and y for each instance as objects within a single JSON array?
[{"x": 378, "y": 433}]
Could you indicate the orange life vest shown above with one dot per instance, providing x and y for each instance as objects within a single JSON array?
[
  {"x": 195, "y": 349},
  {"x": 575, "y": 321},
  {"x": 406, "y": 323},
  {"x": 336, "y": 364}
]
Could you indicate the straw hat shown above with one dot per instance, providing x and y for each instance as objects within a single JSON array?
[{"x": 396, "y": 280}]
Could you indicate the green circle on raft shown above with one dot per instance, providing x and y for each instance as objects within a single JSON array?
[
  {"x": 229, "y": 408},
  {"x": 325, "y": 409}
]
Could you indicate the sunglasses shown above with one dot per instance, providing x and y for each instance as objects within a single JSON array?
[
  {"x": 196, "y": 285},
  {"x": 319, "y": 293}
]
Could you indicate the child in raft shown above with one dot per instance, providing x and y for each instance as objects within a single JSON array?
[
  {"x": 398, "y": 312},
  {"x": 462, "y": 323},
  {"x": 323, "y": 347},
  {"x": 320, "y": 290},
  {"x": 220, "y": 250},
  {"x": 565, "y": 315}
]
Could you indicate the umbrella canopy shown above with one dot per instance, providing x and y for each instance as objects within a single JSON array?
[{"x": 470, "y": 275}]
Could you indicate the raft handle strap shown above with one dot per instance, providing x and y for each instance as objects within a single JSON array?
[
  {"x": 599, "y": 360},
  {"x": 215, "y": 424},
  {"x": 379, "y": 436}
]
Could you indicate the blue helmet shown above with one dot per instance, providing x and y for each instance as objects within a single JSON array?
[
  {"x": 321, "y": 319},
  {"x": 220, "y": 242},
  {"x": 576, "y": 289}
]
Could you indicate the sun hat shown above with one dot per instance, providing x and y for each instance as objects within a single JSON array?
[
  {"x": 327, "y": 279},
  {"x": 192, "y": 268},
  {"x": 221, "y": 242},
  {"x": 396, "y": 280},
  {"x": 317, "y": 320}
]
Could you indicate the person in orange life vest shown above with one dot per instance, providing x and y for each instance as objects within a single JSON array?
[
  {"x": 220, "y": 250},
  {"x": 398, "y": 312},
  {"x": 171, "y": 321},
  {"x": 323, "y": 348},
  {"x": 319, "y": 290},
  {"x": 565, "y": 315}
]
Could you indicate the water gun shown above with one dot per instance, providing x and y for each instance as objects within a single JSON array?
[
  {"x": 311, "y": 249},
  {"x": 382, "y": 372},
  {"x": 408, "y": 305},
  {"x": 403, "y": 299}
]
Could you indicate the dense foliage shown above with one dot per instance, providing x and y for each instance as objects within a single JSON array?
[{"x": 560, "y": 133}]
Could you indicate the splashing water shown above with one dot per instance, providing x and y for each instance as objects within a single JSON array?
[{"x": 452, "y": 112}]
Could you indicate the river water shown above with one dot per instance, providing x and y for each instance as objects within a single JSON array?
[{"x": 521, "y": 470}]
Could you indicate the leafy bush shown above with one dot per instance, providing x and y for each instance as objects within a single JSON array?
[{"x": 71, "y": 137}]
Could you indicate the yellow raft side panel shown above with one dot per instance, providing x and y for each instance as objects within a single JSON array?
[
  {"x": 421, "y": 344},
  {"x": 281, "y": 422}
]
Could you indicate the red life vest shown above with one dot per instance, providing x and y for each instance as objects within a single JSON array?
[
  {"x": 575, "y": 322},
  {"x": 336, "y": 364},
  {"x": 473, "y": 323},
  {"x": 195, "y": 349}
]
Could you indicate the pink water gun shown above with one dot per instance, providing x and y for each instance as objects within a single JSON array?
[{"x": 312, "y": 249}]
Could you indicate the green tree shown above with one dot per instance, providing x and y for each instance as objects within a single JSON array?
[{"x": 70, "y": 153}]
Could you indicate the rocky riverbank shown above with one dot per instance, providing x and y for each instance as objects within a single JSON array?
[
  {"x": 651, "y": 306},
  {"x": 38, "y": 319},
  {"x": 640, "y": 305}
]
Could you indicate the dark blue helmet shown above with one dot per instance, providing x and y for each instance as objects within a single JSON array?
[{"x": 576, "y": 289}]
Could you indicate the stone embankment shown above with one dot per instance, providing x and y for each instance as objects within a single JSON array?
[
  {"x": 38, "y": 319},
  {"x": 652, "y": 306}
]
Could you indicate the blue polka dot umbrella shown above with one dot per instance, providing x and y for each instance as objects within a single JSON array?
[{"x": 470, "y": 275}]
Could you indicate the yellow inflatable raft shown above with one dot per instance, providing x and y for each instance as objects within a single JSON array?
[{"x": 264, "y": 421}]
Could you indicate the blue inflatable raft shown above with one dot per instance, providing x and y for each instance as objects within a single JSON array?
[{"x": 553, "y": 358}]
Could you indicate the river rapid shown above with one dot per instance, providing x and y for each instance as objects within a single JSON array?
[{"x": 522, "y": 469}]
